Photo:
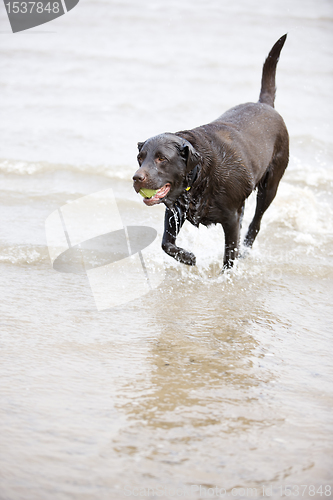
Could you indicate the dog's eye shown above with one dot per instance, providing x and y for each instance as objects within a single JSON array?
[
  {"x": 139, "y": 159},
  {"x": 160, "y": 159}
]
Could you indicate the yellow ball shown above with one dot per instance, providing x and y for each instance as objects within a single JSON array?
[{"x": 148, "y": 193}]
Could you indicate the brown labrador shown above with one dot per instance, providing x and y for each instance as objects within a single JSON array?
[{"x": 205, "y": 174}]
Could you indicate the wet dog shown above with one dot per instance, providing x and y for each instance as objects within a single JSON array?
[{"x": 205, "y": 174}]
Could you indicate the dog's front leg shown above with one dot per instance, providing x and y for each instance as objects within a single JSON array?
[
  {"x": 231, "y": 227},
  {"x": 173, "y": 221}
]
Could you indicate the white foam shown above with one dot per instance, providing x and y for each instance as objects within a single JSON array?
[
  {"x": 301, "y": 210},
  {"x": 30, "y": 168},
  {"x": 317, "y": 174},
  {"x": 23, "y": 254}
]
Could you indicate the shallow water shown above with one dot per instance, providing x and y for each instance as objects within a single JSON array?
[{"x": 209, "y": 380}]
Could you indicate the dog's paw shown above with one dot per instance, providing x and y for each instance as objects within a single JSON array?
[
  {"x": 228, "y": 265},
  {"x": 245, "y": 252},
  {"x": 187, "y": 258},
  {"x": 179, "y": 254},
  {"x": 191, "y": 259}
]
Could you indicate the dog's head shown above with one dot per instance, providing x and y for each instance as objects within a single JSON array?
[{"x": 165, "y": 161}]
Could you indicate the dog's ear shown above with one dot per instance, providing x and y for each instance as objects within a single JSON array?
[
  {"x": 191, "y": 156},
  {"x": 140, "y": 144}
]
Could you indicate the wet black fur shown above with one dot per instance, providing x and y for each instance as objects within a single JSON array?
[{"x": 246, "y": 148}]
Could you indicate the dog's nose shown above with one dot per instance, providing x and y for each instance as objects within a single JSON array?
[{"x": 139, "y": 176}]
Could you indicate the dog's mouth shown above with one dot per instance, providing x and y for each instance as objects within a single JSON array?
[{"x": 158, "y": 196}]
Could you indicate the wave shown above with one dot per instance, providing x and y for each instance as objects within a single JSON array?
[
  {"x": 21, "y": 167},
  {"x": 310, "y": 163},
  {"x": 24, "y": 254}
]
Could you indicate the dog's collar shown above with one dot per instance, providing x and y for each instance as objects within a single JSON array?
[{"x": 193, "y": 175}]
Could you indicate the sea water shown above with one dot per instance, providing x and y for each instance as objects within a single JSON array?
[{"x": 209, "y": 384}]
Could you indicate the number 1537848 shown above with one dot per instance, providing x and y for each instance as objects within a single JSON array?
[{"x": 32, "y": 7}]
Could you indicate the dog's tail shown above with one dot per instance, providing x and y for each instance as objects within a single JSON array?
[{"x": 267, "y": 92}]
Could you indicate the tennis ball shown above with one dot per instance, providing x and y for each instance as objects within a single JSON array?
[{"x": 148, "y": 193}]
